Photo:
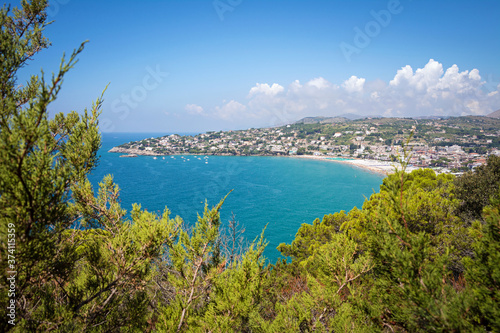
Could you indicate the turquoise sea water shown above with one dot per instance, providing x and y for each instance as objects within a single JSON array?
[{"x": 278, "y": 191}]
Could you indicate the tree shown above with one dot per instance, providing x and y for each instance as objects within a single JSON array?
[
  {"x": 40, "y": 160},
  {"x": 301, "y": 151},
  {"x": 475, "y": 188},
  {"x": 413, "y": 288},
  {"x": 483, "y": 273},
  {"x": 74, "y": 262},
  {"x": 402, "y": 259},
  {"x": 201, "y": 288},
  {"x": 310, "y": 237}
]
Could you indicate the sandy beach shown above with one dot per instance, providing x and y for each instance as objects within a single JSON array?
[{"x": 380, "y": 167}]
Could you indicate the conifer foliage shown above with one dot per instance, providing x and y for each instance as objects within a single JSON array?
[{"x": 77, "y": 262}]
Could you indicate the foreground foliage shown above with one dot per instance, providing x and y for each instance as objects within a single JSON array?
[{"x": 422, "y": 254}]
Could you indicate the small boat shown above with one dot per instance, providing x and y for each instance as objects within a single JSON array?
[{"x": 154, "y": 158}]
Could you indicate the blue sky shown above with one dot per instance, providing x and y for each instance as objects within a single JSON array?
[{"x": 193, "y": 66}]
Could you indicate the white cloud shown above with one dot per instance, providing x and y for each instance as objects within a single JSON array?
[
  {"x": 231, "y": 110},
  {"x": 474, "y": 75},
  {"x": 429, "y": 90},
  {"x": 354, "y": 84},
  {"x": 422, "y": 79},
  {"x": 194, "y": 109},
  {"x": 458, "y": 82},
  {"x": 264, "y": 88},
  {"x": 319, "y": 83},
  {"x": 403, "y": 76},
  {"x": 474, "y": 107},
  {"x": 428, "y": 76}
]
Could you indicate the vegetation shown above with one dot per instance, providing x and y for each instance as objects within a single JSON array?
[
  {"x": 446, "y": 145},
  {"x": 421, "y": 255},
  {"x": 472, "y": 134}
]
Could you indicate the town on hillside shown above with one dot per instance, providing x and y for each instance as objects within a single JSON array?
[{"x": 454, "y": 144}]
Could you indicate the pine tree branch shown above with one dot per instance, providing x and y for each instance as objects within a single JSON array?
[{"x": 193, "y": 281}]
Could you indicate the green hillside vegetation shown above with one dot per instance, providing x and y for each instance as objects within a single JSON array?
[
  {"x": 467, "y": 132},
  {"x": 446, "y": 145},
  {"x": 420, "y": 255}
]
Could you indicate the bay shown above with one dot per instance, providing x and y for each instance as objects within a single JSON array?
[{"x": 279, "y": 192}]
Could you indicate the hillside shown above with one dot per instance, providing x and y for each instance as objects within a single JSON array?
[
  {"x": 455, "y": 143},
  {"x": 495, "y": 114},
  {"x": 322, "y": 120},
  {"x": 321, "y": 134}
]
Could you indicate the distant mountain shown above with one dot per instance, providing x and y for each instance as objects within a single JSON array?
[
  {"x": 322, "y": 120},
  {"x": 353, "y": 116},
  {"x": 432, "y": 117},
  {"x": 495, "y": 114}
]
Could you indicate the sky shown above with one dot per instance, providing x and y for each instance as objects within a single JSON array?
[{"x": 195, "y": 66}]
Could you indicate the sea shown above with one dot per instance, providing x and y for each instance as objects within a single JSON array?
[{"x": 281, "y": 193}]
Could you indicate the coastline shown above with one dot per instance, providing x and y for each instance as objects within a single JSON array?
[{"x": 382, "y": 168}]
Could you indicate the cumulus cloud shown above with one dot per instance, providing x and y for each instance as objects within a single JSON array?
[
  {"x": 354, "y": 84},
  {"x": 264, "y": 88},
  {"x": 194, "y": 109},
  {"x": 231, "y": 110},
  {"x": 422, "y": 79},
  {"x": 430, "y": 90},
  {"x": 319, "y": 83}
]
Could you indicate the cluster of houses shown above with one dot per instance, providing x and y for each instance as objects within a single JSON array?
[{"x": 364, "y": 142}]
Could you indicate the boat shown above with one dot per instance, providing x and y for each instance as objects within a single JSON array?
[{"x": 129, "y": 155}]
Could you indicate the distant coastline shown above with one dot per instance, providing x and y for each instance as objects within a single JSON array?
[
  {"x": 453, "y": 145},
  {"x": 379, "y": 167}
]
